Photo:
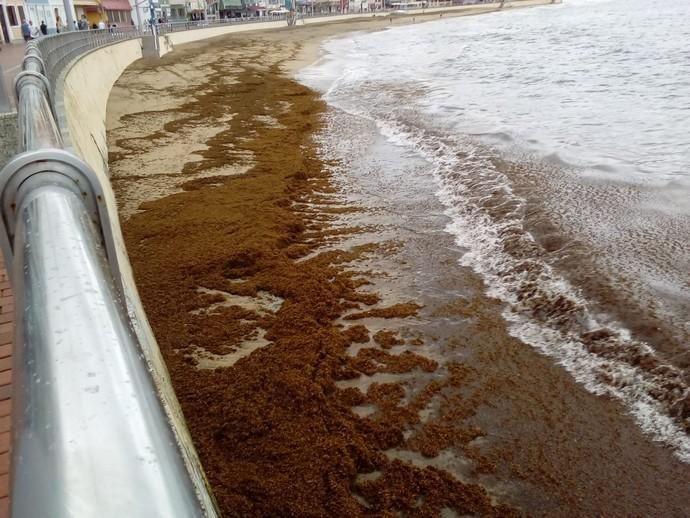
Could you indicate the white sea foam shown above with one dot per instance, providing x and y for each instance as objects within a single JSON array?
[{"x": 644, "y": 393}]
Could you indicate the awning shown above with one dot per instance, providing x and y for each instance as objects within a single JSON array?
[
  {"x": 116, "y": 5},
  {"x": 230, "y": 4}
]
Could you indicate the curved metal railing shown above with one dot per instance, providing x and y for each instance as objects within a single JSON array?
[
  {"x": 57, "y": 50},
  {"x": 92, "y": 435}
]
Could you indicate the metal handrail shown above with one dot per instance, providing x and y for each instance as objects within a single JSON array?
[
  {"x": 57, "y": 50},
  {"x": 92, "y": 435},
  {"x": 178, "y": 26}
]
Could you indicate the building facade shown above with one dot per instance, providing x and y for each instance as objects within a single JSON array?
[
  {"x": 49, "y": 11},
  {"x": 12, "y": 12},
  {"x": 39, "y": 10},
  {"x": 187, "y": 10},
  {"x": 231, "y": 8},
  {"x": 117, "y": 12},
  {"x": 90, "y": 9},
  {"x": 321, "y": 7}
]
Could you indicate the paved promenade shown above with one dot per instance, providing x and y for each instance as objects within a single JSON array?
[{"x": 10, "y": 60}]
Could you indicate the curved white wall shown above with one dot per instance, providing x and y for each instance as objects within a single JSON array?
[{"x": 85, "y": 95}]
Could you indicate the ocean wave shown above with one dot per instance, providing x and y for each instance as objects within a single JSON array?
[
  {"x": 542, "y": 308},
  {"x": 625, "y": 158}
]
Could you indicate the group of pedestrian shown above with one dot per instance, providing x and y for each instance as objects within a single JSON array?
[
  {"x": 83, "y": 25},
  {"x": 31, "y": 32}
]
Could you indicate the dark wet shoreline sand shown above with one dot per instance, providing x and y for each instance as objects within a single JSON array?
[{"x": 279, "y": 432}]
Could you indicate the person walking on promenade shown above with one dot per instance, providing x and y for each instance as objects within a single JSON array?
[
  {"x": 34, "y": 30},
  {"x": 44, "y": 28},
  {"x": 58, "y": 24},
  {"x": 101, "y": 25},
  {"x": 26, "y": 30}
]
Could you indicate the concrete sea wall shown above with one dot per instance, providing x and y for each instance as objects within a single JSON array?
[{"x": 84, "y": 96}]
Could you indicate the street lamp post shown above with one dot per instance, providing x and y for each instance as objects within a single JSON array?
[
  {"x": 69, "y": 13},
  {"x": 137, "y": 7},
  {"x": 152, "y": 23}
]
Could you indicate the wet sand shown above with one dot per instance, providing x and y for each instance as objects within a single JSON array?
[{"x": 330, "y": 355}]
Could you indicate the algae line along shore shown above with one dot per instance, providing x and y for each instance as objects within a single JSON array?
[{"x": 330, "y": 354}]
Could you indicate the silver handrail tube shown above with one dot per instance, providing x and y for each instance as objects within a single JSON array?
[
  {"x": 36, "y": 126},
  {"x": 92, "y": 436}
]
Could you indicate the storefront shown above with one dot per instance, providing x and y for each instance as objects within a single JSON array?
[
  {"x": 231, "y": 8},
  {"x": 89, "y": 8},
  {"x": 117, "y": 12},
  {"x": 321, "y": 7},
  {"x": 256, "y": 8}
]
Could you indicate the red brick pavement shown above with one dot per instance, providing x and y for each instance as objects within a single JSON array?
[
  {"x": 10, "y": 62},
  {"x": 6, "y": 337}
]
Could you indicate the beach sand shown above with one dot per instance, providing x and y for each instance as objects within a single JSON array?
[{"x": 330, "y": 355}]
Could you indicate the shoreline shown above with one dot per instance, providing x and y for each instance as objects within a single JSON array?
[
  {"x": 309, "y": 52},
  {"x": 341, "y": 386}
]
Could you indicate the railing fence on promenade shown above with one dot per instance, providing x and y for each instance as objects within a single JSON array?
[
  {"x": 58, "y": 50},
  {"x": 91, "y": 433}
]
